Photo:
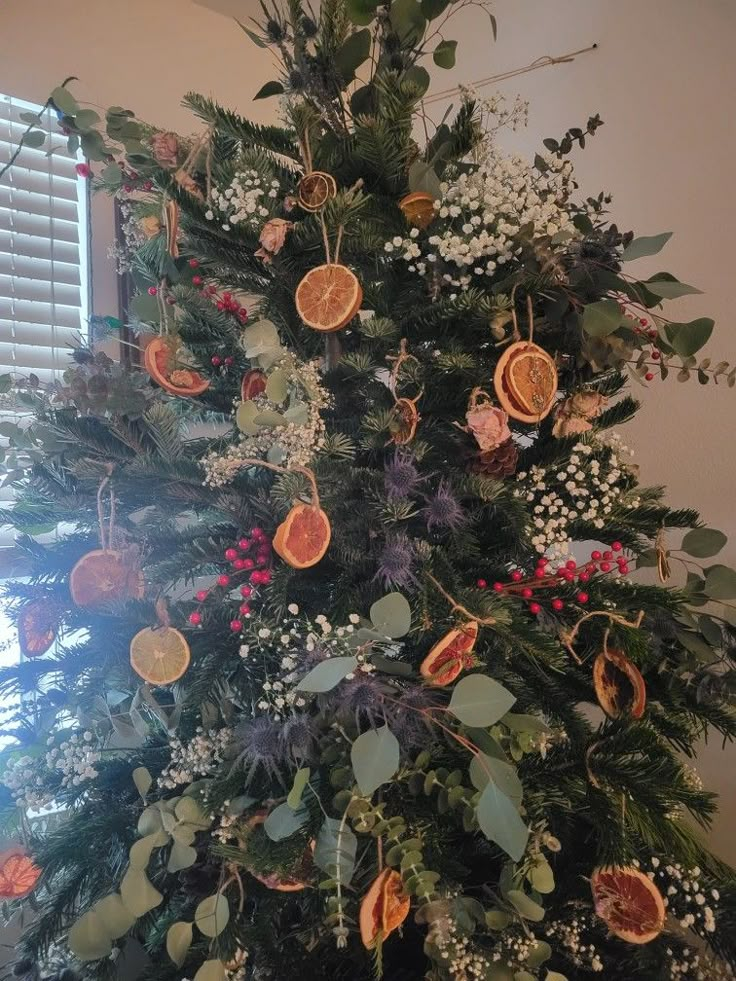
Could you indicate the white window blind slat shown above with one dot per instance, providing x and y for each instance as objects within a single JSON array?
[
  {"x": 30, "y": 159},
  {"x": 42, "y": 225},
  {"x": 38, "y": 335},
  {"x": 33, "y": 312},
  {"x": 27, "y": 267},
  {"x": 17, "y": 199},
  {"x": 23, "y": 288},
  {"x": 39, "y": 247}
]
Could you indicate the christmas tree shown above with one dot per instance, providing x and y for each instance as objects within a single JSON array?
[{"x": 335, "y": 666}]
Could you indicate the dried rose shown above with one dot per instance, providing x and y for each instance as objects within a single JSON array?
[
  {"x": 489, "y": 425},
  {"x": 165, "y": 148},
  {"x": 574, "y": 414},
  {"x": 263, "y": 255},
  {"x": 589, "y": 405},
  {"x": 273, "y": 235},
  {"x": 150, "y": 225},
  {"x": 569, "y": 425}
]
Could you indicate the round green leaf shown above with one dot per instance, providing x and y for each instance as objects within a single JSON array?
[
  {"x": 478, "y": 700},
  {"x": 181, "y": 857},
  {"x": 178, "y": 941},
  {"x": 269, "y": 89},
  {"x": 211, "y": 971},
  {"x": 139, "y": 896},
  {"x": 277, "y": 386},
  {"x": 375, "y": 759},
  {"x": 484, "y": 768},
  {"x": 687, "y": 339},
  {"x": 352, "y": 53},
  {"x": 602, "y": 318},
  {"x": 115, "y": 916},
  {"x": 720, "y": 582},
  {"x": 212, "y": 915},
  {"x": 497, "y": 919},
  {"x": 328, "y": 674},
  {"x": 542, "y": 877},
  {"x": 88, "y": 938},
  {"x": 539, "y": 954},
  {"x": 499, "y": 821},
  {"x": 34, "y": 139},
  {"x": 297, "y": 789},
  {"x": 408, "y": 21},
  {"x": 140, "y": 851},
  {"x": 444, "y": 54},
  {"x": 703, "y": 542},
  {"x": 646, "y": 245},
  {"x": 525, "y": 906},
  {"x": 245, "y": 418},
  {"x": 189, "y": 810},
  {"x": 283, "y": 821},
  {"x": 86, "y": 118},
  {"x": 143, "y": 780},
  {"x": 64, "y": 101},
  {"x": 361, "y": 12},
  {"x": 391, "y": 615}
]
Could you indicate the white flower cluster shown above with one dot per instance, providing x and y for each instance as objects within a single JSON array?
[
  {"x": 685, "y": 897},
  {"x": 586, "y": 489},
  {"x": 244, "y": 200},
  {"x": 76, "y": 758},
  {"x": 198, "y": 758},
  {"x": 23, "y": 778},
  {"x": 295, "y": 638},
  {"x": 292, "y": 444},
  {"x": 570, "y": 934},
  {"x": 482, "y": 214},
  {"x": 697, "y": 966}
]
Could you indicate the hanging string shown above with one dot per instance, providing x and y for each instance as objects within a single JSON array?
[
  {"x": 106, "y": 538},
  {"x": 544, "y": 62}
]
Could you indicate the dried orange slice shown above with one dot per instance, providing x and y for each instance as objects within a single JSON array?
[
  {"x": 315, "y": 190},
  {"x": 450, "y": 655},
  {"x": 303, "y": 537},
  {"x": 418, "y": 208},
  {"x": 404, "y": 421},
  {"x": 253, "y": 384},
  {"x": 289, "y": 883},
  {"x": 18, "y": 874},
  {"x": 105, "y": 576},
  {"x": 619, "y": 685},
  {"x": 37, "y": 627},
  {"x": 160, "y": 361},
  {"x": 384, "y": 908},
  {"x": 160, "y": 655},
  {"x": 526, "y": 381},
  {"x": 629, "y": 903},
  {"x": 328, "y": 297}
]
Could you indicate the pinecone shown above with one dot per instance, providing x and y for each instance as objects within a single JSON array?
[{"x": 498, "y": 463}]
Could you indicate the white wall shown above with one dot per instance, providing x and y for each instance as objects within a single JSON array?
[{"x": 663, "y": 80}]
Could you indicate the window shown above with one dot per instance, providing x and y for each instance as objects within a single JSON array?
[{"x": 44, "y": 278}]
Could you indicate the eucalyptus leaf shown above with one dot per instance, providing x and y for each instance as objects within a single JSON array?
[
  {"x": 408, "y": 21},
  {"x": 539, "y": 954},
  {"x": 181, "y": 857},
  {"x": 269, "y": 89},
  {"x": 391, "y": 615},
  {"x": 212, "y": 915},
  {"x": 297, "y": 414},
  {"x": 375, "y": 759},
  {"x": 554, "y": 976},
  {"x": 178, "y": 941},
  {"x": 645, "y": 245},
  {"x": 277, "y": 386},
  {"x": 88, "y": 938},
  {"x": 139, "y": 895},
  {"x": 143, "y": 780},
  {"x": 150, "y": 821},
  {"x": 34, "y": 139},
  {"x": 114, "y": 915},
  {"x": 542, "y": 877},
  {"x": 602, "y": 318},
  {"x": 484, "y": 768},
  {"x": 423, "y": 177},
  {"x": 418, "y": 76},
  {"x": 270, "y": 419},
  {"x": 687, "y": 339},
  {"x": 444, "y": 54},
  {"x": 260, "y": 338},
  {"x": 361, "y": 12},
  {"x": 720, "y": 582},
  {"x": 301, "y": 779},
  {"x": 86, "y": 118},
  {"x": 478, "y": 700},
  {"x": 284, "y": 821},
  {"x": 189, "y": 810},
  {"x": 64, "y": 101},
  {"x": 245, "y": 418},
  {"x": 669, "y": 289},
  {"x": 499, "y": 821},
  {"x": 211, "y": 971},
  {"x": 433, "y": 8},
  {"x": 328, "y": 674},
  {"x": 352, "y": 53},
  {"x": 335, "y": 850},
  {"x": 525, "y": 906},
  {"x": 703, "y": 542},
  {"x": 140, "y": 851}
]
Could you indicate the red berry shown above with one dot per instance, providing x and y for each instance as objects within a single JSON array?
[
  {"x": 255, "y": 577},
  {"x": 248, "y": 564},
  {"x": 84, "y": 170},
  {"x": 582, "y": 597},
  {"x": 481, "y": 583},
  {"x": 527, "y": 593},
  {"x": 244, "y": 609},
  {"x": 152, "y": 291},
  {"x": 220, "y": 305},
  {"x": 498, "y": 587},
  {"x": 558, "y": 605},
  {"x": 236, "y": 626},
  {"x": 535, "y": 608},
  {"x": 617, "y": 546},
  {"x": 244, "y": 544},
  {"x": 656, "y": 355},
  {"x": 193, "y": 263},
  {"x": 258, "y": 533},
  {"x": 623, "y": 569},
  {"x": 223, "y": 580},
  {"x": 605, "y": 566},
  {"x": 216, "y": 360},
  {"x": 596, "y": 555},
  {"x": 643, "y": 321},
  {"x": 651, "y": 334},
  {"x": 148, "y": 185},
  {"x": 231, "y": 554},
  {"x": 229, "y": 361},
  {"x": 265, "y": 577},
  {"x": 227, "y": 297},
  {"x": 195, "y": 618},
  {"x": 516, "y": 575},
  {"x": 608, "y": 556},
  {"x": 196, "y": 280},
  {"x": 584, "y": 576},
  {"x": 542, "y": 562},
  {"x": 202, "y": 595},
  {"x": 239, "y": 564},
  {"x": 539, "y": 573},
  {"x": 568, "y": 576},
  {"x": 571, "y": 564},
  {"x": 649, "y": 376},
  {"x": 246, "y": 591}
]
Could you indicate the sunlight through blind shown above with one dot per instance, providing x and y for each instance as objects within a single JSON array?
[{"x": 44, "y": 281}]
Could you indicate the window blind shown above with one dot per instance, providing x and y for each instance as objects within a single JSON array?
[{"x": 44, "y": 267}]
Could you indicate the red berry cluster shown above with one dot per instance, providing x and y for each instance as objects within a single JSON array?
[
  {"x": 250, "y": 556},
  {"x": 529, "y": 587},
  {"x": 643, "y": 326},
  {"x": 225, "y": 302}
]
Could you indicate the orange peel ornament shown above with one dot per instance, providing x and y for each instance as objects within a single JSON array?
[
  {"x": 384, "y": 908},
  {"x": 629, "y": 903},
  {"x": 18, "y": 874},
  {"x": 450, "y": 655}
]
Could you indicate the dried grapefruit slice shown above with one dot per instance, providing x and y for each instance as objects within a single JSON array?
[
  {"x": 160, "y": 361},
  {"x": 18, "y": 874},
  {"x": 526, "y": 382},
  {"x": 37, "y": 627},
  {"x": 619, "y": 685},
  {"x": 384, "y": 908},
  {"x": 105, "y": 576},
  {"x": 160, "y": 655},
  {"x": 253, "y": 384},
  {"x": 629, "y": 903},
  {"x": 328, "y": 297},
  {"x": 418, "y": 208},
  {"x": 404, "y": 421},
  {"x": 315, "y": 190},
  {"x": 450, "y": 655},
  {"x": 290, "y": 883},
  {"x": 302, "y": 539}
]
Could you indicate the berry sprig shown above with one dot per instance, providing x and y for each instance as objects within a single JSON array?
[
  {"x": 224, "y": 302},
  {"x": 250, "y": 556},
  {"x": 528, "y": 588}
]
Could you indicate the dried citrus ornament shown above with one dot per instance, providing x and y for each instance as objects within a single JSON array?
[
  {"x": 619, "y": 685},
  {"x": 38, "y": 624},
  {"x": 384, "y": 908},
  {"x": 315, "y": 190},
  {"x": 404, "y": 421},
  {"x": 295, "y": 882},
  {"x": 303, "y": 537},
  {"x": 450, "y": 655},
  {"x": 18, "y": 874},
  {"x": 526, "y": 382},
  {"x": 328, "y": 297},
  {"x": 160, "y": 361},
  {"x": 160, "y": 655},
  {"x": 106, "y": 576},
  {"x": 253, "y": 384},
  {"x": 629, "y": 903},
  {"x": 418, "y": 208}
]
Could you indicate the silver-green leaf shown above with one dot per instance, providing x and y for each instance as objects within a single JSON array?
[
  {"x": 328, "y": 674},
  {"x": 178, "y": 941},
  {"x": 212, "y": 915},
  {"x": 478, "y": 700},
  {"x": 499, "y": 821},
  {"x": 375, "y": 759},
  {"x": 391, "y": 615},
  {"x": 645, "y": 245}
]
